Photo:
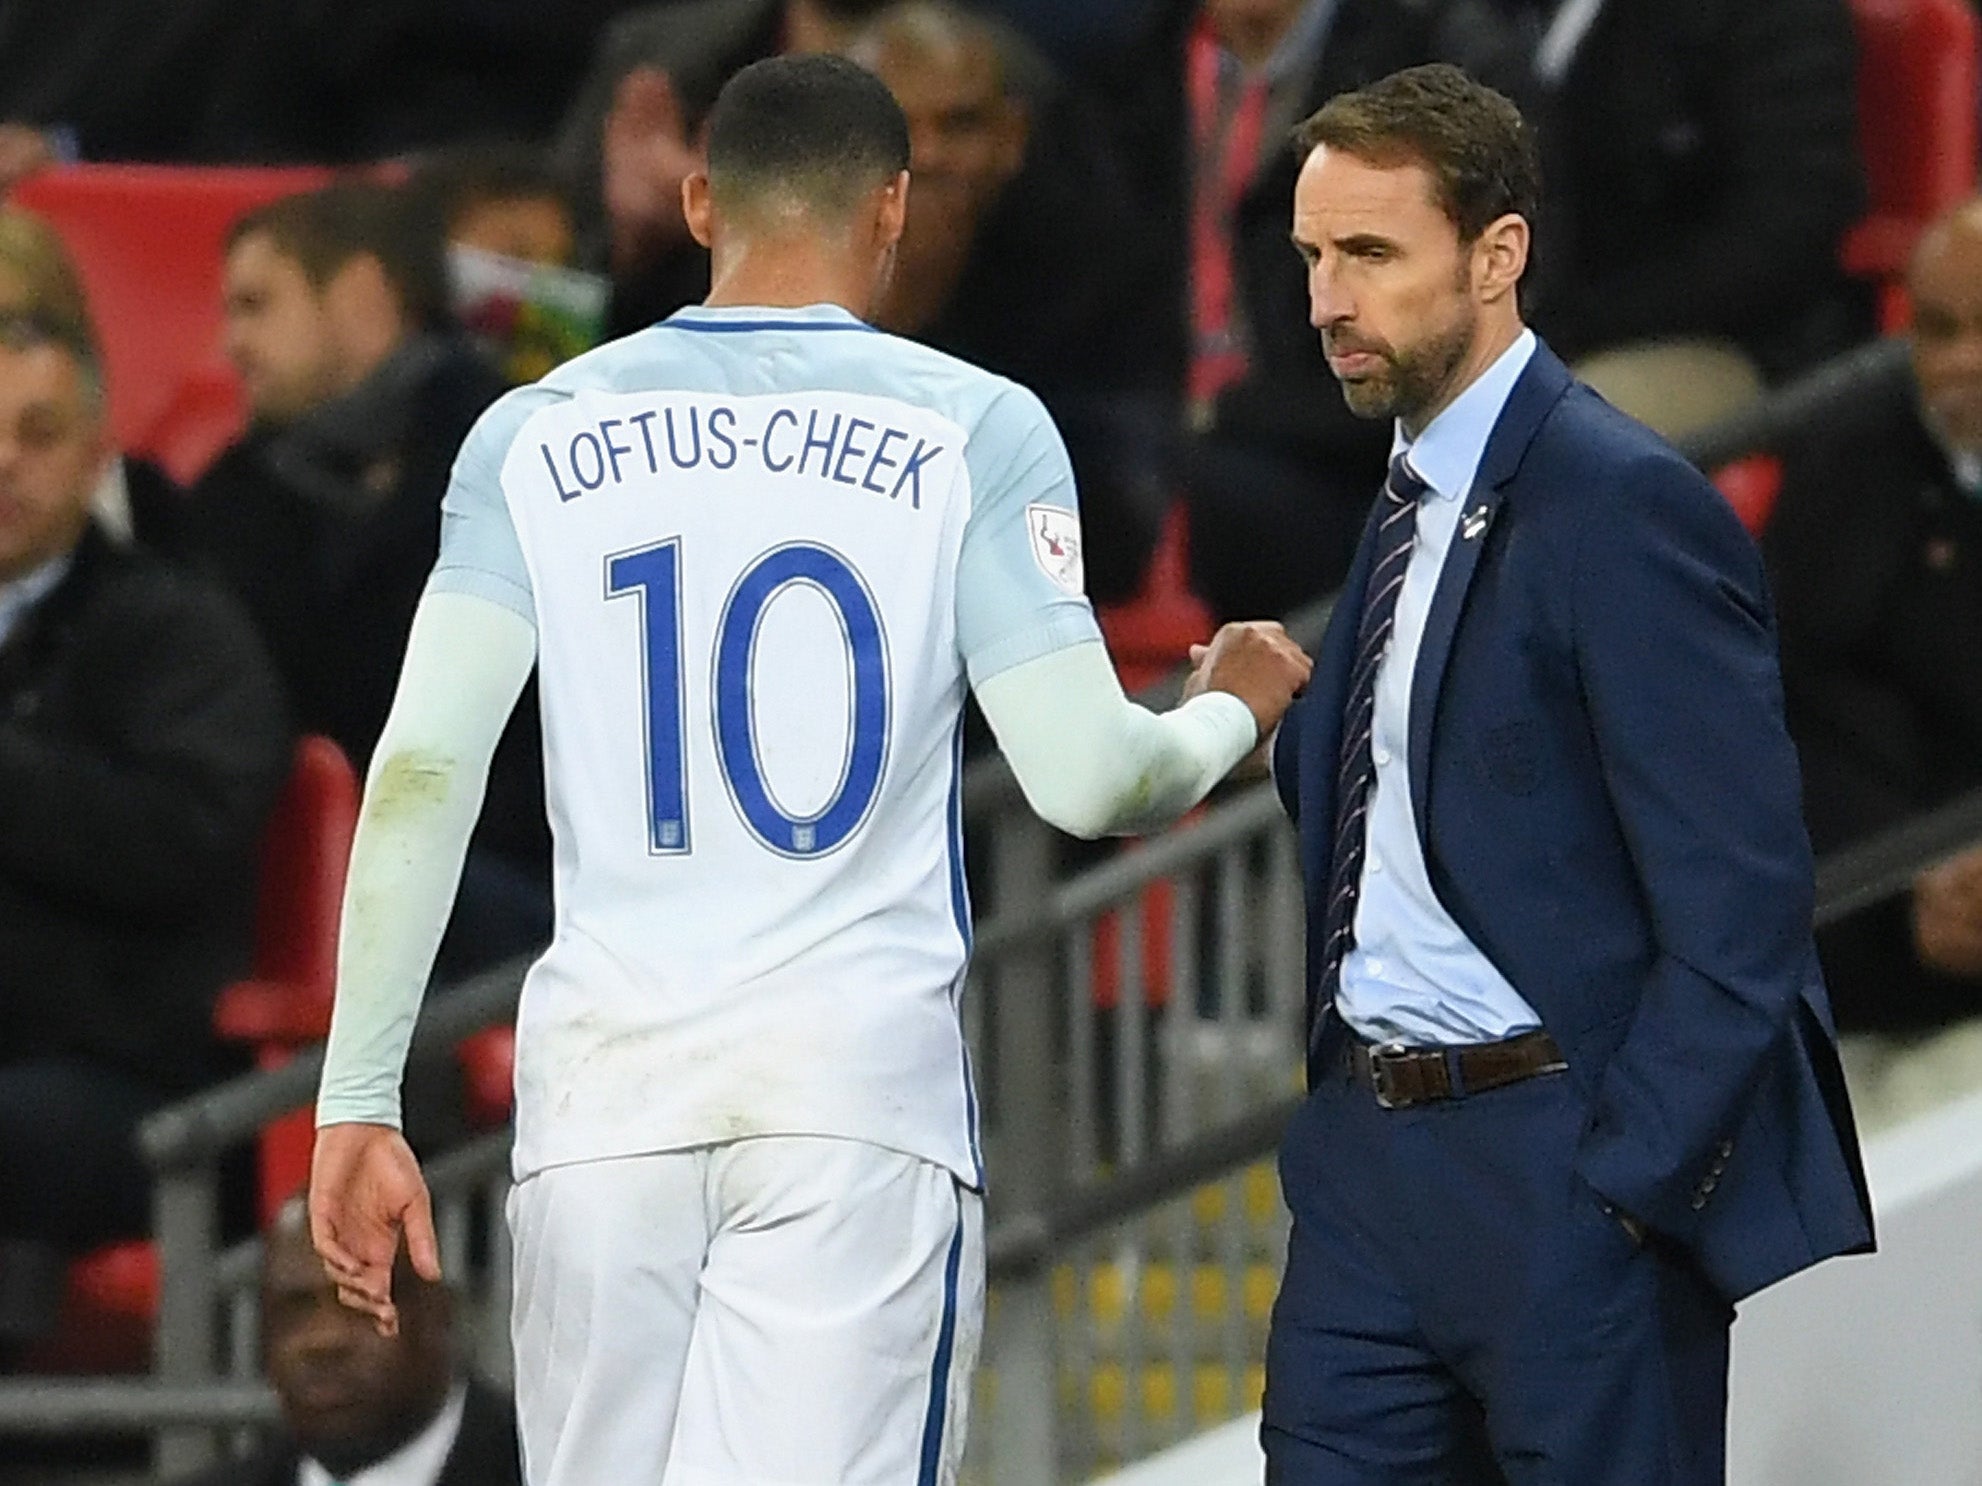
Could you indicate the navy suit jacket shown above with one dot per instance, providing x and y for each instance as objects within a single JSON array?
[{"x": 1608, "y": 805}]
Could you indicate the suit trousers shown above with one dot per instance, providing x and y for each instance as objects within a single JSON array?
[{"x": 1459, "y": 1308}]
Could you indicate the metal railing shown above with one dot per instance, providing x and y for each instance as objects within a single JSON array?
[
  {"x": 1126, "y": 1257},
  {"x": 1127, "y": 1011},
  {"x": 1135, "y": 1025},
  {"x": 1800, "y": 405},
  {"x": 1113, "y": 1014}
]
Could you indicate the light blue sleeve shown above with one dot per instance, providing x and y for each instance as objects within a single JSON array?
[
  {"x": 479, "y": 553},
  {"x": 1019, "y": 576}
]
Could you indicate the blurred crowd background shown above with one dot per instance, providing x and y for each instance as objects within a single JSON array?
[{"x": 229, "y": 400}]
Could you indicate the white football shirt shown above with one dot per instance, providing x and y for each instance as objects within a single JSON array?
[{"x": 764, "y": 551}]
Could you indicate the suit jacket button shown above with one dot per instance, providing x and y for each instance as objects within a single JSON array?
[{"x": 1699, "y": 1201}]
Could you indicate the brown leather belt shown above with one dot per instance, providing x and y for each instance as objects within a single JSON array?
[{"x": 1401, "y": 1076}]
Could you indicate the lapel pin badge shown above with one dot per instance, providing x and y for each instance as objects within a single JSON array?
[{"x": 1475, "y": 523}]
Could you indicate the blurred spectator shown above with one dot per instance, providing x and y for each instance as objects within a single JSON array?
[
  {"x": 141, "y": 744},
  {"x": 24, "y": 149},
  {"x": 37, "y": 276},
  {"x": 507, "y": 199},
  {"x": 325, "y": 517},
  {"x": 1876, "y": 552},
  {"x": 634, "y": 133},
  {"x": 134, "y": 498},
  {"x": 504, "y": 220},
  {"x": 1703, "y": 168},
  {"x": 1014, "y": 259},
  {"x": 1278, "y": 472},
  {"x": 363, "y": 1409}
]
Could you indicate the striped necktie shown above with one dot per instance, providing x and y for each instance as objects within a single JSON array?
[{"x": 1396, "y": 532}]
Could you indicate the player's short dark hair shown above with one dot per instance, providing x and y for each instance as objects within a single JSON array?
[
  {"x": 1479, "y": 150},
  {"x": 323, "y": 230},
  {"x": 818, "y": 132}
]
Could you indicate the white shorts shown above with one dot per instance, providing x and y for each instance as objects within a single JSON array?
[{"x": 779, "y": 1311}]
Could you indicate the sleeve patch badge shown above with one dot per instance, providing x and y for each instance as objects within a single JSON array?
[{"x": 1055, "y": 537}]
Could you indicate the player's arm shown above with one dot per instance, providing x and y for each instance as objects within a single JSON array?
[
  {"x": 471, "y": 649},
  {"x": 1094, "y": 763},
  {"x": 1089, "y": 760},
  {"x": 466, "y": 662}
]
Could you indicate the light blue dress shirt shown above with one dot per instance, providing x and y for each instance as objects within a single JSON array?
[
  {"x": 20, "y": 596},
  {"x": 1413, "y": 975}
]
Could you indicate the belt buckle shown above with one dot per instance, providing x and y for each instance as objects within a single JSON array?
[{"x": 1382, "y": 1059}]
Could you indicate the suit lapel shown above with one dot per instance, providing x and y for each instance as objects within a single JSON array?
[{"x": 1541, "y": 385}]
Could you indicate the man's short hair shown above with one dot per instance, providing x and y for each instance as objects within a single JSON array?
[
  {"x": 323, "y": 230},
  {"x": 31, "y": 330},
  {"x": 813, "y": 132},
  {"x": 33, "y": 254},
  {"x": 452, "y": 182},
  {"x": 1479, "y": 150}
]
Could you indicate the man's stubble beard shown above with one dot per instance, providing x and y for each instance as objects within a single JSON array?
[{"x": 1415, "y": 379}]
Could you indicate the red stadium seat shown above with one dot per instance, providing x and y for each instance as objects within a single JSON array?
[
  {"x": 1751, "y": 486},
  {"x": 488, "y": 1075},
  {"x": 1151, "y": 634},
  {"x": 285, "y": 1006},
  {"x": 1918, "y": 83},
  {"x": 149, "y": 241},
  {"x": 1158, "y": 903}
]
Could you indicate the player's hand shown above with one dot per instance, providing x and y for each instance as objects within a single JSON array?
[
  {"x": 365, "y": 1192},
  {"x": 24, "y": 149},
  {"x": 1256, "y": 662},
  {"x": 1947, "y": 916}
]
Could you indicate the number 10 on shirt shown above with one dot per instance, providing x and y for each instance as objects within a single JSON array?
[{"x": 653, "y": 576}]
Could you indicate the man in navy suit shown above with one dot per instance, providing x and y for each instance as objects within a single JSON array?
[{"x": 1574, "y": 1086}]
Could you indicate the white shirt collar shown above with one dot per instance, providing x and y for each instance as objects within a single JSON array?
[
  {"x": 1964, "y": 463},
  {"x": 110, "y": 506},
  {"x": 418, "y": 1462},
  {"x": 1967, "y": 467},
  {"x": 19, "y": 597},
  {"x": 1447, "y": 454}
]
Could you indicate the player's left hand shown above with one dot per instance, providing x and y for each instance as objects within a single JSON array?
[{"x": 365, "y": 1191}]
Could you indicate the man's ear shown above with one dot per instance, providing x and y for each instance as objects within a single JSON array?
[
  {"x": 698, "y": 208},
  {"x": 1500, "y": 256},
  {"x": 891, "y": 211},
  {"x": 361, "y": 294},
  {"x": 1014, "y": 134}
]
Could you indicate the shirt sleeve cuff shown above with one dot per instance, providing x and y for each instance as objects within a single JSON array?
[
  {"x": 1055, "y": 630},
  {"x": 480, "y": 584}
]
